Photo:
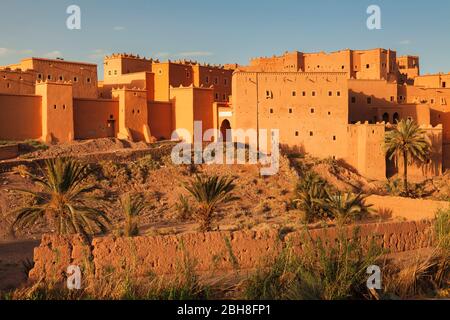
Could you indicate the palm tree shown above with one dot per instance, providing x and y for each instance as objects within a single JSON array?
[
  {"x": 62, "y": 200},
  {"x": 210, "y": 193},
  {"x": 346, "y": 207},
  {"x": 410, "y": 142},
  {"x": 311, "y": 192},
  {"x": 132, "y": 206}
]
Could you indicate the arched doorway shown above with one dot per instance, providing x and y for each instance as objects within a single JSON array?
[
  {"x": 386, "y": 117},
  {"x": 223, "y": 130},
  {"x": 396, "y": 118}
]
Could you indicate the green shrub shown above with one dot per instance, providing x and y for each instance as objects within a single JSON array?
[
  {"x": 183, "y": 208},
  {"x": 324, "y": 271},
  {"x": 37, "y": 145},
  {"x": 310, "y": 196},
  {"x": 347, "y": 207},
  {"x": 442, "y": 229}
]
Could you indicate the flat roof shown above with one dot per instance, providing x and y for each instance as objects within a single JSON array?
[{"x": 60, "y": 61}]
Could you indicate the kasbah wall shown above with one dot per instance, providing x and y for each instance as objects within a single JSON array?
[
  {"x": 215, "y": 252},
  {"x": 336, "y": 105}
]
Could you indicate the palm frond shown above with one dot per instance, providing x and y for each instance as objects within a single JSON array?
[
  {"x": 62, "y": 200},
  {"x": 210, "y": 193}
]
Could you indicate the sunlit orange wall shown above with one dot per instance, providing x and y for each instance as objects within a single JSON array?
[
  {"x": 160, "y": 119},
  {"x": 91, "y": 118},
  {"x": 20, "y": 117}
]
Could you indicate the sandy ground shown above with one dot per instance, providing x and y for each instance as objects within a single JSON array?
[
  {"x": 85, "y": 147},
  {"x": 12, "y": 256},
  {"x": 407, "y": 209},
  {"x": 263, "y": 202}
]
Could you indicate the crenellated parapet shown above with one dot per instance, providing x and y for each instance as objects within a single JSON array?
[{"x": 129, "y": 56}]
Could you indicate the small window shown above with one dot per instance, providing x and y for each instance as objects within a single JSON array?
[
  {"x": 160, "y": 72},
  {"x": 217, "y": 96},
  {"x": 444, "y": 84},
  {"x": 338, "y": 93},
  {"x": 8, "y": 85},
  {"x": 225, "y": 81},
  {"x": 88, "y": 80},
  {"x": 313, "y": 93},
  {"x": 312, "y": 110},
  {"x": 432, "y": 101},
  {"x": 109, "y": 72},
  {"x": 296, "y": 133},
  {"x": 54, "y": 107},
  {"x": 39, "y": 76},
  {"x": 342, "y": 67},
  {"x": 271, "y": 110},
  {"x": 334, "y": 138},
  {"x": 369, "y": 100},
  {"x": 115, "y": 72},
  {"x": 329, "y": 113},
  {"x": 290, "y": 110},
  {"x": 311, "y": 133},
  {"x": 367, "y": 66},
  {"x": 392, "y": 98},
  {"x": 304, "y": 93},
  {"x": 330, "y": 93},
  {"x": 61, "y": 78},
  {"x": 294, "y": 93},
  {"x": 49, "y": 77},
  {"x": 64, "y": 107},
  {"x": 353, "y": 99},
  {"x": 207, "y": 79},
  {"x": 216, "y": 80},
  {"x": 75, "y": 79},
  {"x": 188, "y": 74}
]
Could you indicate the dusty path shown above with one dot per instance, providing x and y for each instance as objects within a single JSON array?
[{"x": 12, "y": 254}]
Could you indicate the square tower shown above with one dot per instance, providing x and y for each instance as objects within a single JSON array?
[
  {"x": 57, "y": 111},
  {"x": 133, "y": 114}
]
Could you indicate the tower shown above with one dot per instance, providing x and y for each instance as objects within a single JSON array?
[{"x": 57, "y": 111}]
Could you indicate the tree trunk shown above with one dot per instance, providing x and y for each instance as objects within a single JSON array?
[{"x": 405, "y": 172}]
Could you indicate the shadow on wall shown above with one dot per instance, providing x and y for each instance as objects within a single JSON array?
[
  {"x": 363, "y": 107},
  {"x": 416, "y": 169},
  {"x": 297, "y": 151}
]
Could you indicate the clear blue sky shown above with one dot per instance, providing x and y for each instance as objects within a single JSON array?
[{"x": 219, "y": 31}]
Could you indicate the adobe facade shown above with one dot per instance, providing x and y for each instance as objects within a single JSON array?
[
  {"x": 332, "y": 105},
  {"x": 138, "y": 99},
  {"x": 341, "y": 104}
]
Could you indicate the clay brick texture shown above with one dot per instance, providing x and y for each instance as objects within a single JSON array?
[{"x": 216, "y": 252}]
